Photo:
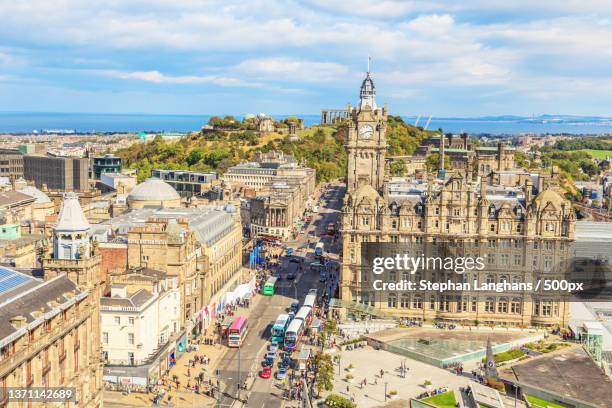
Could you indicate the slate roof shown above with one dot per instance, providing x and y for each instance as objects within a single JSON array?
[{"x": 32, "y": 297}]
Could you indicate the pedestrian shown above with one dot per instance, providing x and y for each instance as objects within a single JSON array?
[{"x": 347, "y": 389}]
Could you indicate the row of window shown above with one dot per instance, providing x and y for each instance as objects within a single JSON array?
[
  {"x": 130, "y": 337},
  {"x": 504, "y": 226},
  {"x": 444, "y": 303}
]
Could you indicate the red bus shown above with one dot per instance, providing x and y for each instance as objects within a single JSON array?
[{"x": 238, "y": 331}]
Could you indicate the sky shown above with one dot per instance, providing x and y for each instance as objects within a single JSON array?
[{"x": 441, "y": 58}]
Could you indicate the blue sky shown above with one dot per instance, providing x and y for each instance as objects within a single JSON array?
[{"x": 445, "y": 58}]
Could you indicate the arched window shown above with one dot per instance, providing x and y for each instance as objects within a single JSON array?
[
  {"x": 502, "y": 305},
  {"x": 546, "y": 308},
  {"x": 490, "y": 279},
  {"x": 490, "y": 305},
  {"x": 417, "y": 302},
  {"x": 392, "y": 300},
  {"x": 515, "y": 306},
  {"x": 405, "y": 301}
]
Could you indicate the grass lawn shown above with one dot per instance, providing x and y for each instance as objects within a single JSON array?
[
  {"x": 598, "y": 154},
  {"x": 444, "y": 400},
  {"x": 541, "y": 403},
  {"x": 309, "y": 132}
]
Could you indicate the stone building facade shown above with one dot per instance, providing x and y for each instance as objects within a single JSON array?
[
  {"x": 518, "y": 231},
  {"x": 47, "y": 338},
  {"x": 283, "y": 189},
  {"x": 56, "y": 342},
  {"x": 202, "y": 246}
]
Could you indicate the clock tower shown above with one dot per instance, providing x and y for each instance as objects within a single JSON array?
[{"x": 366, "y": 142}]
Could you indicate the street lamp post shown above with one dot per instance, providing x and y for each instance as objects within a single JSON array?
[
  {"x": 218, "y": 388},
  {"x": 239, "y": 376},
  {"x": 386, "y": 391}
]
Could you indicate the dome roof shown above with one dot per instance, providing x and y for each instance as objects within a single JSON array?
[
  {"x": 41, "y": 198},
  {"x": 153, "y": 190}
]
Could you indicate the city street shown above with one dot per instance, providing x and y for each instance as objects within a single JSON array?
[{"x": 235, "y": 369}]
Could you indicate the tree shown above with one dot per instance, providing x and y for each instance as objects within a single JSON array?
[
  {"x": 325, "y": 372},
  {"x": 433, "y": 162},
  {"x": 398, "y": 168},
  {"x": 319, "y": 137},
  {"x": 331, "y": 326},
  {"x": 195, "y": 156},
  {"x": 337, "y": 401},
  {"x": 214, "y": 157},
  {"x": 521, "y": 159}
]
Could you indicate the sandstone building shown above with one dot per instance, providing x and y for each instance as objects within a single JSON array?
[
  {"x": 50, "y": 329},
  {"x": 201, "y": 246},
  {"x": 283, "y": 189},
  {"x": 520, "y": 231}
]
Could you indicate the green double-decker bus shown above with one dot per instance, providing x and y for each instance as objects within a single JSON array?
[{"x": 270, "y": 286}]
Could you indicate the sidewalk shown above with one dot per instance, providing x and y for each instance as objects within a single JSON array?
[{"x": 184, "y": 397}]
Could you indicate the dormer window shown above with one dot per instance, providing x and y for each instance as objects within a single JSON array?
[{"x": 491, "y": 209}]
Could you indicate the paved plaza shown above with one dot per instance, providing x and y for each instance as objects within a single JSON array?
[{"x": 367, "y": 364}]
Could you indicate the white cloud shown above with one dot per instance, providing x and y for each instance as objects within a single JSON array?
[
  {"x": 291, "y": 69},
  {"x": 484, "y": 46},
  {"x": 157, "y": 77}
]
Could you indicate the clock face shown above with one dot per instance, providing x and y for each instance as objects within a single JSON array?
[{"x": 366, "y": 131}]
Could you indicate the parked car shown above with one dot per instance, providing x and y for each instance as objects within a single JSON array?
[
  {"x": 266, "y": 372},
  {"x": 273, "y": 348},
  {"x": 281, "y": 373},
  {"x": 295, "y": 306}
]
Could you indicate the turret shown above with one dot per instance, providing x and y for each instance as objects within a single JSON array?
[
  {"x": 367, "y": 93},
  {"x": 71, "y": 233}
]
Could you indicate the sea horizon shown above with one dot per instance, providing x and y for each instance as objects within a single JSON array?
[{"x": 22, "y": 122}]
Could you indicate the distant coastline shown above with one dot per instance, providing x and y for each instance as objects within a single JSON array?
[{"x": 26, "y": 122}]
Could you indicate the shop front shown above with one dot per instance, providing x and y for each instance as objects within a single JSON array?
[{"x": 181, "y": 346}]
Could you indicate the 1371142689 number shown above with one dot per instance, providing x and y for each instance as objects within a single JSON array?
[{"x": 38, "y": 394}]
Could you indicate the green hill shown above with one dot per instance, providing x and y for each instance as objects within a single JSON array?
[{"x": 321, "y": 148}]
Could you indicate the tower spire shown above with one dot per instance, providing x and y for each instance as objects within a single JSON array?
[{"x": 367, "y": 94}]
